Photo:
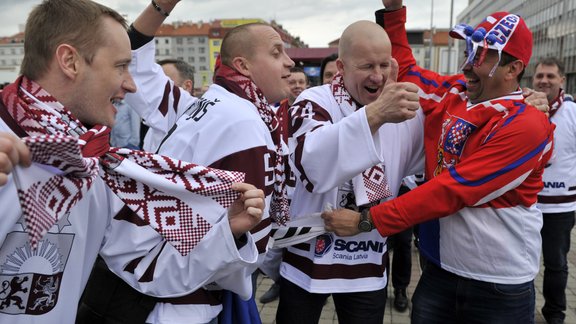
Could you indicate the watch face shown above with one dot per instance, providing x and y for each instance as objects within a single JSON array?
[{"x": 364, "y": 226}]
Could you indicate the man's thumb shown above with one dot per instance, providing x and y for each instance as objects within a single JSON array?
[{"x": 393, "y": 75}]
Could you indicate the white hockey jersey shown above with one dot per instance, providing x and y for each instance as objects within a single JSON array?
[
  {"x": 329, "y": 146},
  {"x": 559, "y": 193},
  {"x": 221, "y": 130}
]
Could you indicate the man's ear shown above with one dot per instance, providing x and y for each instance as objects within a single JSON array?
[
  {"x": 68, "y": 60},
  {"x": 514, "y": 69},
  {"x": 188, "y": 85},
  {"x": 241, "y": 65},
  {"x": 340, "y": 65}
]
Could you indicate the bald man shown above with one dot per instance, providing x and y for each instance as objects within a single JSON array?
[{"x": 338, "y": 134}]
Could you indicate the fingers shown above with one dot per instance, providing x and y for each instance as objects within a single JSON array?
[
  {"x": 393, "y": 75},
  {"x": 254, "y": 202},
  {"x": 256, "y": 213},
  {"x": 12, "y": 152},
  {"x": 23, "y": 152},
  {"x": 537, "y": 99},
  {"x": 527, "y": 92},
  {"x": 242, "y": 187}
]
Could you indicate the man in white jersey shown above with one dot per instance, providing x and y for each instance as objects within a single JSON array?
[
  {"x": 558, "y": 198},
  {"x": 337, "y": 144},
  {"x": 231, "y": 127},
  {"x": 74, "y": 69}
]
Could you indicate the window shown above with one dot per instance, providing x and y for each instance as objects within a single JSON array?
[
  {"x": 202, "y": 50},
  {"x": 179, "y": 40},
  {"x": 202, "y": 59}
]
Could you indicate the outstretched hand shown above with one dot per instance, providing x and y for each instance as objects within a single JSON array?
[
  {"x": 537, "y": 99},
  {"x": 398, "y": 101},
  {"x": 12, "y": 152},
  {"x": 246, "y": 211}
]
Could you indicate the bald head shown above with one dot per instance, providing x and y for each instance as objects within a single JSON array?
[
  {"x": 240, "y": 42},
  {"x": 361, "y": 33},
  {"x": 364, "y": 59}
]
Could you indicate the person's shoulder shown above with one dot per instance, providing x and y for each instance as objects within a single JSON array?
[
  {"x": 226, "y": 102},
  {"x": 569, "y": 105},
  {"x": 321, "y": 95},
  {"x": 568, "y": 111}
]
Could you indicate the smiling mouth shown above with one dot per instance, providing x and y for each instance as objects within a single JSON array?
[
  {"x": 471, "y": 80},
  {"x": 116, "y": 101},
  {"x": 371, "y": 90}
]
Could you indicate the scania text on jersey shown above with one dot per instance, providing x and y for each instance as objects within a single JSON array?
[{"x": 362, "y": 246}]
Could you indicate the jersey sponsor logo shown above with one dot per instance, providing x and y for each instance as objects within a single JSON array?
[
  {"x": 23, "y": 291},
  {"x": 323, "y": 245},
  {"x": 200, "y": 108},
  {"x": 554, "y": 185},
  {"x": 361, "y": 246}
]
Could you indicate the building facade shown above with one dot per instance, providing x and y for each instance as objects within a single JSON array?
[
  {"x": 11, "y": 55},
  {"x": 553, "y": 25}
]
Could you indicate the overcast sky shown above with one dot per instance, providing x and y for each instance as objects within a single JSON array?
[{"x": 317, "y": 22}]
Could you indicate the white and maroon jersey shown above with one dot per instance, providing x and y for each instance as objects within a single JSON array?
[
  {"x": 158, "y": 101},
  {"x": 484, "y": 165},
  {"x": 559, "y": 193},
  {"x": 222, "y": 131},
  {"x": 329, "y": 146},
  {"x": 44, "y": 286}
]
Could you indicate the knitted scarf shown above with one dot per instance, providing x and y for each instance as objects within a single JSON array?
[
  {"x": 243, "y": 87},
  {"x": 557, "y": 103},
  {"x": 371, "y": 185},
  {"x": 180, "y": 200}
]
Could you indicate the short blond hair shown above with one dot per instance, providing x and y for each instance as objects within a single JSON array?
[{"x": 55, "y": 22}]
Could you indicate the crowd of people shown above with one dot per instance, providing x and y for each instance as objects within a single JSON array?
[{"x": 140, "y": 202}]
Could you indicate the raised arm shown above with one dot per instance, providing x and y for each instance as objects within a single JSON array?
[
  {"x": 158, "y": 100},
  {"x": 152, "y": 17}
]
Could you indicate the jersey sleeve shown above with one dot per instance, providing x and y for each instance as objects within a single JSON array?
[
  {"x": 512, "y": 156},
  {"x": 326, "y": 154},
  {"x": 432, "y": 86},
  {"x": 157, "y": 100},
  {"x": 140, "y": 256}
]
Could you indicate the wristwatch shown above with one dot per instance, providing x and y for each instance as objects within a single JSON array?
[{"x": 365, "y": 225}]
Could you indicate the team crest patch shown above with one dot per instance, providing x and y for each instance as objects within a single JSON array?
[
  {"x": 30, "y": 279},
  {"x": 323, "y": 245},
  {"x": 457, "y": 135}
]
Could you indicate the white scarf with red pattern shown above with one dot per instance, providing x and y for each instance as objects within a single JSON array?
[
  {"x": 371, "y": 185},
  {"x": 180, "y": 200}
]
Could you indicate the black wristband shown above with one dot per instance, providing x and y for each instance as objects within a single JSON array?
[{"x": 159, "y": 9}]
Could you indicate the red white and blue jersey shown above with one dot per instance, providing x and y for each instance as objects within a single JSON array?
[{"x": 484, "y": 165}]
